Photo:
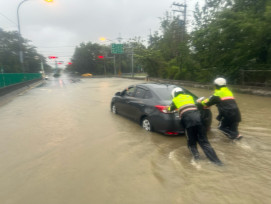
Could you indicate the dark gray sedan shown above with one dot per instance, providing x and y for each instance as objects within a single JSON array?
[{"x": 146, "y": 104}]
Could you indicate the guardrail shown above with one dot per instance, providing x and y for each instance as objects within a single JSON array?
[
  {"x": 12, "y": 81},
  {"x": 7, "y": 79}
]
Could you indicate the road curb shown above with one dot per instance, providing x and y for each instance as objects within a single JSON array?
[{"x": 10, "y": 93}]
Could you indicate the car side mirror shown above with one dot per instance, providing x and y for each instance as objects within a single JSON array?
[
  {"x": 118, "y": 94},
  {"x": 123, "y": 92}
]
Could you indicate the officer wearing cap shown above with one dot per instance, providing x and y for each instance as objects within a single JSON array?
[{"x": 229, "y": 115}]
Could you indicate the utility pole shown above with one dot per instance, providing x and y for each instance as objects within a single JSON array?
[
  {"x": 181, "y": 8},
  {"x": 180, "y": 30},
  {"x": 115, "y": 73},
  {"x": 21, "y": 56},
  {"x": 119, "y": 38},
  {"x": 120, "y": 57},
  {"x": 150, "y": 38},
  {"x": 2, "y": 70},
  {"x": 132, "y": 61}
]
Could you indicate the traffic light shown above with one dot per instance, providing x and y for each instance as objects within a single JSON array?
[
  {"x": 101, "y": 57},
  {"x": 52, "y": 57}
]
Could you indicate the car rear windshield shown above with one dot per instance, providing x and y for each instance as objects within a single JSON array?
[{"x": 164, "y": 93}]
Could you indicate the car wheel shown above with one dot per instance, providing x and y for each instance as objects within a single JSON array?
[
  {"x": 114, "y": 109},
  {"x": 146, "y": 124}
]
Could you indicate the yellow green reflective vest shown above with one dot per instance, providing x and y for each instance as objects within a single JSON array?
[
  {"x": 224, "y": 93},
  {"x": 183, "y": 100},
  {"x": 184, "y": 103}
]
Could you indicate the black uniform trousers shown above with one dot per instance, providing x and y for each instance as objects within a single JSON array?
[
  {"x": 196, "y": 133},
  {"x": 229, "y": 128}
]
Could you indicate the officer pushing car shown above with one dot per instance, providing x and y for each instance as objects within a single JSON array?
[
  {"x": 229, "y": 115},
  {"x": 191, "y": 121}
]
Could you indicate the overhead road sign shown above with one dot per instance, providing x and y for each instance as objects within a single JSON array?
[{"x": 116, "y": 48}]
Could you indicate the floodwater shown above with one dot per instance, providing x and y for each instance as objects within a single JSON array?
[{"x": 60, "y": 144}]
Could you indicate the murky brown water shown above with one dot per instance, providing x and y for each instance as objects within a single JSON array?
[{"x": 60, "y": 144}]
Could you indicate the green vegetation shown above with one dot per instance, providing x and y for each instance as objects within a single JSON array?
[
  {"x": 232, "y": 36},
  {"x": 9, "y": 55},
  {"x": 97, "y": 59},
  {"x": 229, "y": 38}
]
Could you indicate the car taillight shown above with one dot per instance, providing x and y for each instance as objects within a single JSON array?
[
  {"x": 171, "y": 133},
  {"x": 163, "y": 109}
]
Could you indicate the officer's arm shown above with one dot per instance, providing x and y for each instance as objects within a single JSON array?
[
  {"x": 210, "y": 101},
  {"x": 172, "y": 107}
]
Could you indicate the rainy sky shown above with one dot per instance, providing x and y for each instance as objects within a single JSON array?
[{"x": 57, "y": 28}]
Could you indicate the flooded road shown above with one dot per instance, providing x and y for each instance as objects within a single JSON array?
[{"x": 60, "y": 144}]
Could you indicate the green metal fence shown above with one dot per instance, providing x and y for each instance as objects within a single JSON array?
[{"x": 15, "y": 78}]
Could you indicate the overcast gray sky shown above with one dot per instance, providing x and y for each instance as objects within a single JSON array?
[{"x": 56, "y": 28}]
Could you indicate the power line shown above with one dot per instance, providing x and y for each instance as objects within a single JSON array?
[
  {"x": 57, "y": 46},
  {"x": 8, "y": 19}
]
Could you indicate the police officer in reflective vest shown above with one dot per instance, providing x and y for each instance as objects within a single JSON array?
[
  {"x": 229, "y": 115},
  {"x": 191, "y": 121}
]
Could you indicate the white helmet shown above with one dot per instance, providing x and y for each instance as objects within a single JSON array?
[
  {"x": 176, "y": 90},
  {"x": 220, "y": 81}
]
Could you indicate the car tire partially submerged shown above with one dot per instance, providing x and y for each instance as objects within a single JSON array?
[
  {"x": 114, "y": 109},
  {"x": 146, "y": 124}
]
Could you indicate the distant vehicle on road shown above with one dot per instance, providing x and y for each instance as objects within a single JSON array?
[
  {"x": 86, "y": 75},
  {"x": 146, "y": 104}
]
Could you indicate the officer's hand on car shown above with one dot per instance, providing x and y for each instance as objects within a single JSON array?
[
  {"x": 167, "y": 108},
  {"x": 199, "y": 100}
]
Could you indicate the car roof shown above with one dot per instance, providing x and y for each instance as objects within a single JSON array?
[{"x": 155, "y": 85}]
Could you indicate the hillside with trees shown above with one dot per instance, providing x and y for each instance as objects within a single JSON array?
[{"x": 230, "y": 39}]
